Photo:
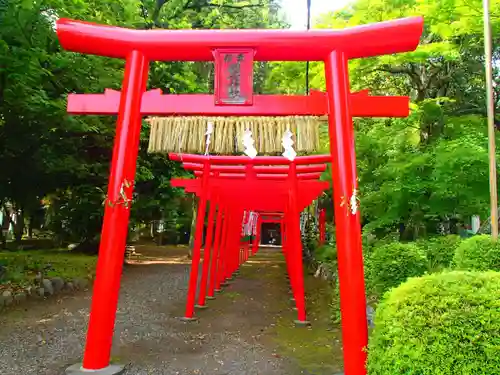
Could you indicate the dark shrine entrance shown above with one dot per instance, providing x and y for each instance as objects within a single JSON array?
[{"x": 271, "y": 234}]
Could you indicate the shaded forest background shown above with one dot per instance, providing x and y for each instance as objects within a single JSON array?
[{"x": 418, "y": 176}]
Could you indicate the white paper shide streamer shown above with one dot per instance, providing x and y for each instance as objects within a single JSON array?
[
  {"x": 287, "y": 143},
  {"x": 354, "y": 202},
  {"x": 208, "y": 134},
  {"x": 249, "y": 144}
]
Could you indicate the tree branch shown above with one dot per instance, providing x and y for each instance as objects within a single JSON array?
[
  {"x": 469, "y": 111},
  {"x": 227, "y": 6},
  {"x": 394, "y": 69},
  {"x": 196, "y": 6}
]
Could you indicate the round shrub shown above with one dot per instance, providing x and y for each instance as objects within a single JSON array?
[
  {"x": 439, "y": 324},
  {"x": 440, "y": 250},
  {"x": 477, "y": 253},
  {"x": 391, "y": 264}
]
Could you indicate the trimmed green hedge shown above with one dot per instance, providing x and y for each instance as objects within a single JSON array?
[
  {"x": 440, "y": 250},
  {"x": 390, "y": 265},
  {"x": 439, "y": 324},
  {"x": 478, "y": 253}
]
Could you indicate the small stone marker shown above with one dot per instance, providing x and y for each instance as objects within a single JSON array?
[
  {"x": 6, "y": 298},
  {"x": 47, "y": 286},
  {"x": 57, "y": 284},
  {"x": 20, "y": 297}
]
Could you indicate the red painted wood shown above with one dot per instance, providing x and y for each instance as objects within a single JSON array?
[
  {"x": 196, "y": 253},
  {"x": 260, "y": 196},
  {"x": 376, "y": 39},
  {"x": 263, "y": 176},
  {"x": 245, "y": 160},
  {"x": 257, "y": 239},
  {"x": 258, "y": 169},
  {"x": 116, "y": 215},
  {"x": 215, "y": 252},
  {"x": 207, "y": 254},
  {"x": 348, "y": 228},
  {"x": 155, "y": 103}
]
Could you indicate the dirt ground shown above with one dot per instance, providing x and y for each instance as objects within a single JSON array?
[{"x": 247, "y": 329}]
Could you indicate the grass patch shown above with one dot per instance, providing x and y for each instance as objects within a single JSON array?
[
  {"x": 21, "y": 267},
  {"x": 317, "y": 349},
  {"x": 232, "y": 295}
]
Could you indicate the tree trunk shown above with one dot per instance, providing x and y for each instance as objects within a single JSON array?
[
  {"x": 4, "y": 225},
  {"x": 19, "y": 227},
  {"x": 3, "y": 240},
  {"x": 161, "y": 229},
  {"x": 30, "y": 227}
]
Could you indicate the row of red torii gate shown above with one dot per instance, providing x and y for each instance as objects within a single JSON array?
[
  {"x": 278, "y": 193},
  {"x": 235, "y": 184}
]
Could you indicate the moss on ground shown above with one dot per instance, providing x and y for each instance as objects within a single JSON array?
[
  {"x": 232, "y": 295},
  {"x": 21, "y": 267},
  {"x": 316, "y": 349}
]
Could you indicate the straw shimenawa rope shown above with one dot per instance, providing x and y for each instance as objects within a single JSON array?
[{"x": 187, "y": 134}]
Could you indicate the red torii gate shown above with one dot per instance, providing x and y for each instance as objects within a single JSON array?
[
  {"x": 252, "y": 181},
  {"x": 138, "y": 47}
]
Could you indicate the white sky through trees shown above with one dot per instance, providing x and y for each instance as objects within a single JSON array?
[{"x": 296, "y": 10}]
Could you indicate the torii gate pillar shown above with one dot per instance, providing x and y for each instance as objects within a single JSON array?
[
  {"x": 116, "y": 217},
  {"x": 347, "y": 218}
]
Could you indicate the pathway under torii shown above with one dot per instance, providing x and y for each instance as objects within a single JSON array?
[{"x": 234, "y": 185}]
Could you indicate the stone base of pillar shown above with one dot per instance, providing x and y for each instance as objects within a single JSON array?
[
  {"x": 110, "y": 370},
  {"x": 188, "y": 320}
]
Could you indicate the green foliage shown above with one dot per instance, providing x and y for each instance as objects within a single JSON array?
[
  {"x": 326, "y": 254},
  {"x": 73, "y": 215},
  {"x": 406, "y": 185},
  {"x": 439, "y": 324},
  {"x": 23, "y": 266},
  {"x": 422, "y": 171},
  {"x": 64, "y": 160},
  {"x": 310, "y": 238},
  {"x": 440, "y": 251},
  {"x": 479, "y": 253},
  {"x": 335, "y": 314},
  {"x": 390, "y": 265}
]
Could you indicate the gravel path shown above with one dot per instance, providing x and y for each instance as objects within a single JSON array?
[{"x": 230, "y": 337}]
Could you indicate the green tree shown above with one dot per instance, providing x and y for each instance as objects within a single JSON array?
[
  {"x": 418, "y": 172},
  {"x": 46, "y": 153}
]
